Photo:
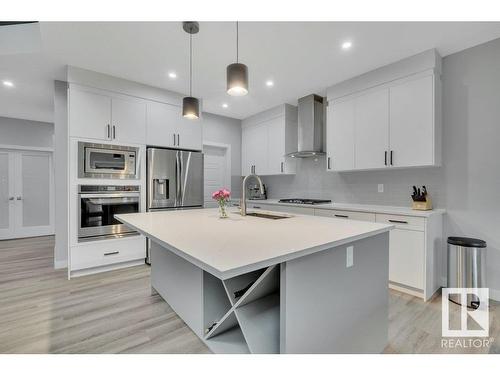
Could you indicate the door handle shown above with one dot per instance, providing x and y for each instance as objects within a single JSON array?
[
  {"x": 111, "y": 253},
  {"x": 114, "y": 132},
  {"x": 329, "y": 166},
  {"x": 174, "y": 138},
  {"x": 178, "y": 140},
  {"x": 11, "y": 198},
  {"x": 19, "y": 198},
  {"x": 342, "y": 216},
  {"x": 281, "y": 167},
  {"x": 108, "y": 131},
  {"x": 391, "y": 158},
  {"x": 385, "y": 157}
]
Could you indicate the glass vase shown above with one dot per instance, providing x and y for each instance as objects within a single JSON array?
[{"x": 222, "y": 211}]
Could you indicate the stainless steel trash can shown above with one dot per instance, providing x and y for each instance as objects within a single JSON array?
[{"x": 466, "y": 267}]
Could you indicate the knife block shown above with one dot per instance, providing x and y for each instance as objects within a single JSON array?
[{"x": 422, "y": 206}]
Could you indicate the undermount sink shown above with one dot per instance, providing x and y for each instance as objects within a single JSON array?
[{"x": 272, "y": 216}]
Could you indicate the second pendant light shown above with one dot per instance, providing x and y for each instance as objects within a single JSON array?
[
  {"x": 237, "y": 74},
  {"x": 190, "y": 104}
]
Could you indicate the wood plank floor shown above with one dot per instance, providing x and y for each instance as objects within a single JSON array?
[{"x": 114, "y": 312}]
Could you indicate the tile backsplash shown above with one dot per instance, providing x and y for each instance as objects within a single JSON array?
[{"x": 313, "y": 181}]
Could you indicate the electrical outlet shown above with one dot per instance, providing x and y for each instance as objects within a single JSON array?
[
  {"x": 380, "y": 188},
  {"x": 349, "y": 259}
]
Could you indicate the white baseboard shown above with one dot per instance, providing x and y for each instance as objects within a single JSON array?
[
  {"x": 58, "y": 264},
  {"x": 495, "y": 294}
]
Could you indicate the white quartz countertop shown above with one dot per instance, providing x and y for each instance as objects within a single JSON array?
[
  {"x": 407, "y": 211},
  {"x": 236, "y": 245}
]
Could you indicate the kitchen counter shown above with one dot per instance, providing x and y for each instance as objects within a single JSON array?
[
  {"x": 391, "y": 210},
  {"x": 309, "y": 284},
  {"x": 237, "y": 245}
]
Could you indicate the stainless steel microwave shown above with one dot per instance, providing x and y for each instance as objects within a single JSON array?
[{"x": 97, "y": 160}]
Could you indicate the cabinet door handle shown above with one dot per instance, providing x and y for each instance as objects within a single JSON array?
[
  {"x": 111, "y": 253},
  {"x": 391, "y": 158},
  {"x": 385, "y": 157},
  {"x": 108, "y": 131},
  {"x": 398, "y": 221},
  {"x": 329, "y": 166},
  {"x": 342, "y": 216},
  {"x": 19, "y": 198},
  {"x": 257, "y": 207},
  {"x": 11, "y": 198},
  {"x": 281, "y": 167},
  {"x": 174, "y": 138},
  {"x": 114, "y": 132},
  {"x": 178, "y": 140}
]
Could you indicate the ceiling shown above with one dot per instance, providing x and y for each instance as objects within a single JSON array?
[{"x": 300, "y": 57}]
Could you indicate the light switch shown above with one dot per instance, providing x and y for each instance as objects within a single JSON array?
[
  {"x": 380, "y": 188},
  {"x": 349, "y": 259}
]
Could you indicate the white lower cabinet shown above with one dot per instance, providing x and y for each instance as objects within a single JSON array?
[
  {"x": 415, "y": 245},
  {"x": 105, "y": 253},
  {"x": 406, "y": 258}
]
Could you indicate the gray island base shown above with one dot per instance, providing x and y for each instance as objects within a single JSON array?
[{"x": 306, "y": 303}]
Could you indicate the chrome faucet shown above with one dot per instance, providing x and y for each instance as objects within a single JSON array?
[{"x": 243, "y": 204}]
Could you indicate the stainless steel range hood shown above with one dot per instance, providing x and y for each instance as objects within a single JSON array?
[{"x": 310, "y": 127}]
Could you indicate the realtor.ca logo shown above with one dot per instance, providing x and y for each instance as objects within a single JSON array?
[{"x": 470, "y": 313}]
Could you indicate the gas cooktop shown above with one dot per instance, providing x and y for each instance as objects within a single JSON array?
[{"x": 305, "y": 201}]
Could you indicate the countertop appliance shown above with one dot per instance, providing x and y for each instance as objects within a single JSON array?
[
  {"x": 305, "y": 201},
  {"x": 97, "y": 160},
  {"x": 97, "y": 206},
  {"x": 174, "y": 180}
]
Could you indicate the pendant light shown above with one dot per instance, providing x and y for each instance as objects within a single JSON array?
[
  {"x": 191, "y": 105},
  {"x": 237, "y": 74}
]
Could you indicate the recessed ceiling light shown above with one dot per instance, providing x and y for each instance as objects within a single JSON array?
[
  {"x": 225, "y": 105},
  {"x": 269, "y": 83},
  {"x": 172, "y": 75},
  {"x": 346, "y": 45},
  {"x": 8, "y": 83}
]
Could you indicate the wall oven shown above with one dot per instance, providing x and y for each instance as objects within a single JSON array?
[
  {"x": 98, "y": 205},
  {"x": 97, "y": 160}
]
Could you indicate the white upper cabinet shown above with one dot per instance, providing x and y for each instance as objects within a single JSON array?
[
  {"x": 266, "y": 138},
  {"x": 128, "y": 120},
  {"x": 371, "y": 119},
  {"x": 411, "y": 122},
  {"x": 387, "y": 118},
  {"x": 340, "y": 136},
  {"x": 161, "y": 124},
  {"x": 167, "y": 128},
  {"x": 106, "y": 117},
  {"x": 89, "y": 115}
]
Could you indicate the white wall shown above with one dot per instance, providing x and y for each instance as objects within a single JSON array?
[
  {"x": 226, "y": 130},
  {"x": 471, "y": 159},
  {"x": 61, "y": 173},
  {"x": 27, "y": 133}
]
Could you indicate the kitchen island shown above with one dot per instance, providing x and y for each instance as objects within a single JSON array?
[{"x": 245, "y": 284}]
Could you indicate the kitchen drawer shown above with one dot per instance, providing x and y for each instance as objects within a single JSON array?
[
  {"x": 341, "y": 214},
  {"x": 102, "y": 253},
  {"x": 403, "y": 222}
]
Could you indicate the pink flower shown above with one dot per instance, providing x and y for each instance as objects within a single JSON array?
[{"x": 221, "y": 194}]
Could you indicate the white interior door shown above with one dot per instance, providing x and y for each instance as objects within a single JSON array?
[
  {"x": 33, "y": 200},
  {"x": 216, "y": 173},
  {"x": 7, "y": 194}
]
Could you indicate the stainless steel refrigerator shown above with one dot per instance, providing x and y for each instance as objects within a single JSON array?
[{"x": 174, "y": 180}]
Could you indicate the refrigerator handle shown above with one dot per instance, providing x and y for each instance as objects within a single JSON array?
[{"x": 177, "y": 178}]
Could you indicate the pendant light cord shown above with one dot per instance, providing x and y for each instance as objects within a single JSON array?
[
  {"x": 237, "y": 42},
  {"x": 190, "y": 64}
]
